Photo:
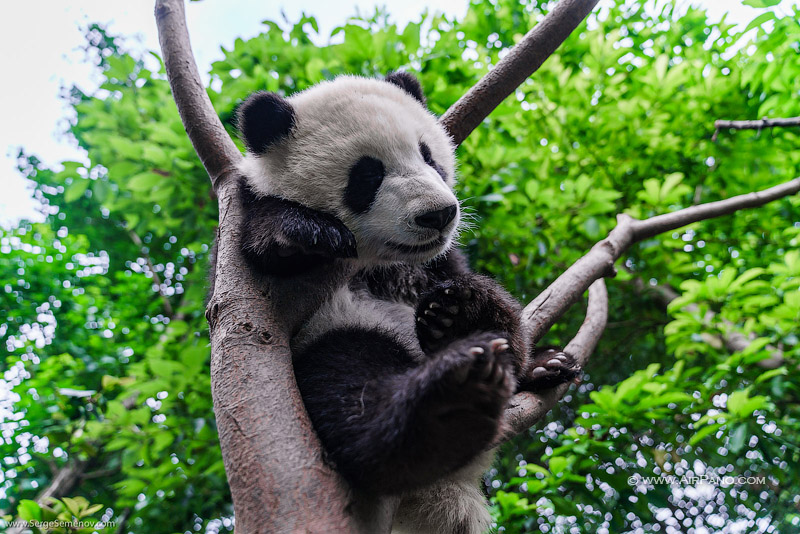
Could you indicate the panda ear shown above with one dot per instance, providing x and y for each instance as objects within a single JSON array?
[
  {"x": 408, "y": 83},
  {"x": 263, "y": 120}
]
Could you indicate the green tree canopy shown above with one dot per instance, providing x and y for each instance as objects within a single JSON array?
[{"x": 106, "y": 347}]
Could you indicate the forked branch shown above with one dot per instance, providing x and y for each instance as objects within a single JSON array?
[
  {"x": 538, "y": 316},
  {"x": 273, "y": 459},
  {"x": 526, "y": 409}
]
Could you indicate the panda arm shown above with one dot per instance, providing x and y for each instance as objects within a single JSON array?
[
  {"x": 391, "y": 424},
  {"x": 460, "y": 302},
  {"x": 284, "y": 238}
]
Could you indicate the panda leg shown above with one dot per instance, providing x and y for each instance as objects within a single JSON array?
[{"x": 391, "y": 425}]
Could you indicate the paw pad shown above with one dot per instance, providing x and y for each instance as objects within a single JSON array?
[{"x": 550, "y": 368}]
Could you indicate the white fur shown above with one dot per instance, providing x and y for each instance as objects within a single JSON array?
[
  {"x": 336, "y": 123},
  {"x": 453, "y": 504},
  {"x": 348, "y": 308}
]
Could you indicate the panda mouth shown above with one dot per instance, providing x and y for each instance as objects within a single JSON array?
[{"x": 416, "y": 249}]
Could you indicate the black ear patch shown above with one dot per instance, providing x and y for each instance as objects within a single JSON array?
[
  {"x": 408, "y": 83},
  {"x": 263, "y": 120},
  {"x": 366, "y": 176}
]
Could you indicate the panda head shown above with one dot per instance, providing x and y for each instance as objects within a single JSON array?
[{"x": 365, "y": 151}]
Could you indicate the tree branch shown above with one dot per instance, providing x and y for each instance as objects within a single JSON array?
[
  {"x": 755, "y": 125},
  {"x": 522, "y": 60},
  {"x": 273, "y": 458},
  {"x": 538, "y": 316},
  {"x": 526, "y": 408},
  {"x": 548, "y": 306},
  {"x": 209, "y": 138}
]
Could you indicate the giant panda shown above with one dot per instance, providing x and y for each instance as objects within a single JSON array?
[{"x": 406, "y": 366}]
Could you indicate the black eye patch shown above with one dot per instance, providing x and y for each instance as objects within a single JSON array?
[
  {"x": 425, "y": 150},
  {"x": 365, "y": 179}
]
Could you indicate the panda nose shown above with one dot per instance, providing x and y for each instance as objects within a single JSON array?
[{"x": 437, "y": 219}]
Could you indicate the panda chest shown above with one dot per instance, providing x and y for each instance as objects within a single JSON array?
[{"x": 349, "y": 308}]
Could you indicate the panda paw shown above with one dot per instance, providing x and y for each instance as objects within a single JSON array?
[
  {"x": 442, "y": 314},
  {"x": 549, "y": 368},
  {"x": 476, "y": 381},
  {"x": 284, "y": 238}
]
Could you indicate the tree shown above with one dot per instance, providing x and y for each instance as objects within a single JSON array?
[{"x": 621, "y": 119}]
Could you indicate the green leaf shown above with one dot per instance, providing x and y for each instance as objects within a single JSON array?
[
  {"x": 101, "y": 190},
  {"x": 738, "y": 439},
  {"x": 761, "y": 3},
  {"x": 759, "y": 20},
  {"x": 145, "y": 181},
  {"x": 557, "y": 464},
  {"x": 92, "y": 509},
  {"x": 29, "y": 510},
  {"x": 76, "y": 189},
  {"x": 703, "y": 432},
  {"x": 73, "y": 506}
]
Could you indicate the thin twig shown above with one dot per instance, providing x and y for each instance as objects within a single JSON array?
[
  {"x": 522, "y": 60},
  {"x": 759, "y": 124}
]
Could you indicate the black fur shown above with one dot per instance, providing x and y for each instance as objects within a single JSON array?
[
  {"x": 263, "y": 120},
  {"x": 464, "y": 304},
  {"x": 425, "y": 150},
  {"x": 390, "y": 425},
  {"x": 408, "y": 83},
  {"x": 366, "y": 177},
  {"x": 284, "y": 238}
]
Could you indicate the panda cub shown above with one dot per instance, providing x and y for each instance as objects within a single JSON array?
[{"x": 407, "y": 365}]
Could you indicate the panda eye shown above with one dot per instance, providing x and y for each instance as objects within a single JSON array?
[
  {"x": 366, "y": 177},
  {"x": 425, "y": 150}
]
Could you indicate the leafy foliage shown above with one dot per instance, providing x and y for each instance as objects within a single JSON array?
[{"x": 106, "y": 348}]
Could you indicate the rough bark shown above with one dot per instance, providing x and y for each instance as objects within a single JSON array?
[
  {"x": 273, "y": 459},
  {"x": 522, "y": 60}
]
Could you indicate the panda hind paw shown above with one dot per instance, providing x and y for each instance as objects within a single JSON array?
[{"x": 549, "y": 368}]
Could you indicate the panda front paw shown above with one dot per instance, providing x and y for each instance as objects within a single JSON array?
[
  {"x": 549, "y": 367},
  {"x": 484, "y": 364},
  {"x": 463, "y": 306},
  {"x": 284, "y": 238},
  {"x": 441, "y": 315}
]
